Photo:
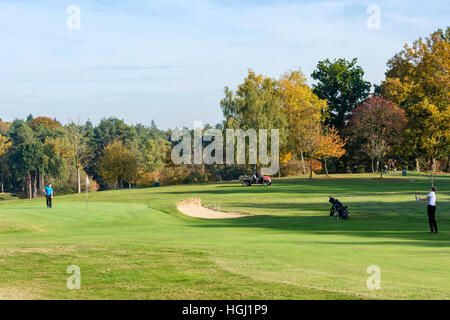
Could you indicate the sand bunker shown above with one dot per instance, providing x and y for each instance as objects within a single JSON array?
[{"x": 194, "y": 208}]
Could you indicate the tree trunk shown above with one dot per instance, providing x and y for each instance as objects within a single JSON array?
[
  {"x": 78, "y": 179},
  {"x": 326, "y": 169},
  {"x": 447, "y": 169},
  {"x": 433, "y": 164},
  {"x": 381, "y": 170},
  {"x": 303, "y": 162},
  {"x": 378, "y": 164},
  {"x": 28, "y": 186},
  {"x": 35, "y": 185},
  {"x": 41, "y": 185},
  {"x": 417, "y": 165},
  {"x": 311, "y": 168},
  {"x": 373, "y": 170}
]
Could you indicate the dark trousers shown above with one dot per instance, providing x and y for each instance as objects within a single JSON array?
[
  {"x": 431, "y": 218},
  {"x": 49, "y": 201}
]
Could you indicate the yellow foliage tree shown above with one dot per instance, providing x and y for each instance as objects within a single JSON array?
[
  {"x": 303, "y": 111},
  {"x": 4, "y": 127},
  {"x": 118, "y": 164},
  {"x": 418, "y": 80}
]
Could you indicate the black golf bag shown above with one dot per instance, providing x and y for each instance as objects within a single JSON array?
[{"x": 338, "y": 210}]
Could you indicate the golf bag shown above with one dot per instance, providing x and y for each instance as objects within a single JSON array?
[{"x": 338, "y": 210}]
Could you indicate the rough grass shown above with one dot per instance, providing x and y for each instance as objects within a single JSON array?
[{"x": 134, "y": 244}]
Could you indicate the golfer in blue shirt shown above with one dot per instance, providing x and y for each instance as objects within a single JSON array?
[{"x": 48, "y": 190}]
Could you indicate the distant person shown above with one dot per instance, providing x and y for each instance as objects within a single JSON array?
[
  {"x": 431, "y": 209},
  {"x": 48, "y": 191}
]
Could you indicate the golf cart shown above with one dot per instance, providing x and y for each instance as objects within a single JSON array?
[{"x": 254, "y": 179}]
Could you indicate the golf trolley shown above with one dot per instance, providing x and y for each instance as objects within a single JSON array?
[{"x": 338, "y": 210}]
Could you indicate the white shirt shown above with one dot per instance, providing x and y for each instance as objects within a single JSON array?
[{"x": 432, "y": 199}]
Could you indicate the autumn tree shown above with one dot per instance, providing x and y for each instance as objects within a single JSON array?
[
  {"x": 4, "y": 127},
  {"x": 332, "y": 145},
  {"x": 256, "y": 104},
  {"x": 300, "y": 107},
  {"x": 46, "y": 122},
  {"x": 379, "y": 123},
  {"x": 418, "y": 80},
  {"x": 313, "y": 142},
  {"x": 118, "y": 164},
  {"x": 155, "y": 154},
  {"x": 74, "y": 145},
  {"x": 5, "y": 145},
  {"x": 321, "y": 143}
]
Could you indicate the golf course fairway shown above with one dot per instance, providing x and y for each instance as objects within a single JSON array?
[{"x": 135, "y": 244}]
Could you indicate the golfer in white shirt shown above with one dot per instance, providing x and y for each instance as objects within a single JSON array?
[{"x": 431, "y": 209}]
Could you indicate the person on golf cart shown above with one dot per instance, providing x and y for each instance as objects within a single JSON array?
[{"x": 256, "y": 176}]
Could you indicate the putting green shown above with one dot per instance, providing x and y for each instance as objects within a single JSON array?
[{"x": 134, "y": 244}]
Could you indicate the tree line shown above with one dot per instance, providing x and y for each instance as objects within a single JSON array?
[
  {"x": 341, "y": 123},
  {"x": 345, "y": 124}
]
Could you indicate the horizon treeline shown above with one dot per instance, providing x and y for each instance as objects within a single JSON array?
[{"x": 341, "y": 124}]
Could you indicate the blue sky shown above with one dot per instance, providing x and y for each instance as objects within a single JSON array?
[{"x": 169, "y": 60}]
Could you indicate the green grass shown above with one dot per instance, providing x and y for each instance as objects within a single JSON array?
[{"x": 134, "y": 244}]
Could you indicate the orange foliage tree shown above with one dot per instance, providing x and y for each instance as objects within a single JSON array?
[
  {"x": 46, "y": 122},
  {"x": 332, "y": 145},
  {"x": 323, "y": 143}
]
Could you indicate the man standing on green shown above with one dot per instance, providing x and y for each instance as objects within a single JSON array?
[
  {"x": 49, "y": 195},
  {"x": 431, "y": 209}
]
